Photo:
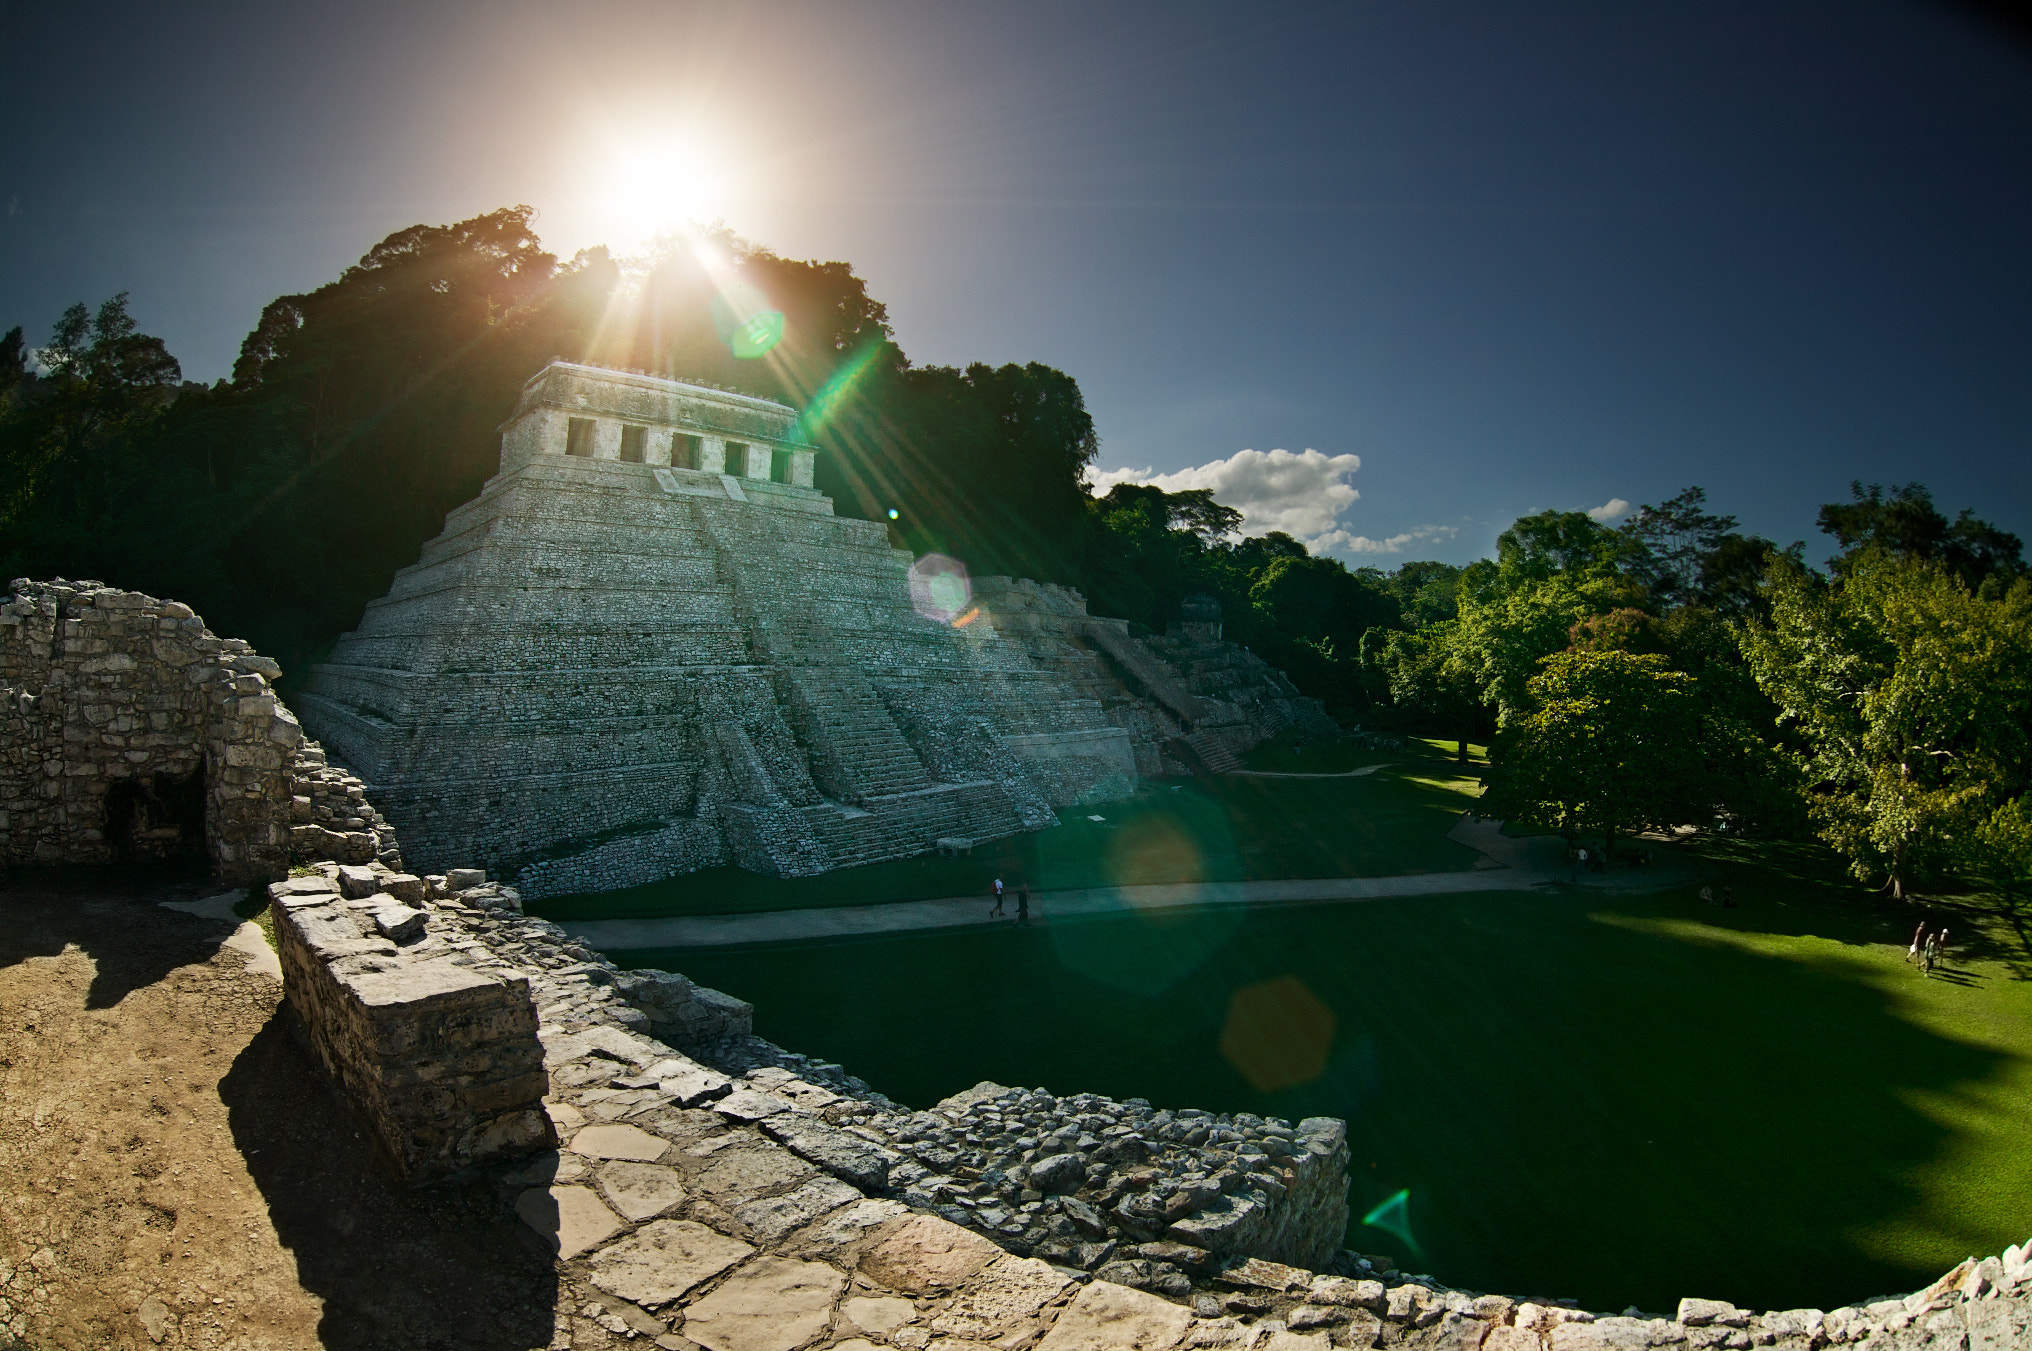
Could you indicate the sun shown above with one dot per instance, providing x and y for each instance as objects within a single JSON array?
[{"x": 655, "y": 188}]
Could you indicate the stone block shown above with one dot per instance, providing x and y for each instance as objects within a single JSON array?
[
  {"x": 571, "y": 1219},
  {"x": 772, "y": 1304},
  {"x": 664, "y": 1260},
  {"x": 619, "y": 1142},
  {"x": 1109, "y": 1317},
  {"x": 841, "y": 1153},
  {"x": 925, "y": 1254}
]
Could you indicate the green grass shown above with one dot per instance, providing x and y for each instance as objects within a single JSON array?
[
  {"x": 1623, "y": 1099},
  {"x": 1224, "y": 830}
]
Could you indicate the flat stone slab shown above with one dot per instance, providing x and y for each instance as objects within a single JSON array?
[
  {"x": 747, "y": 1170},
  {"x": 1011, "y": 1291},
  {"x": 771, "y": 1218},
  {"x": 1110, "y": 1317},
  {"x": 841, "y": 1153},
  {"x": 772, "y": 1304},
  {"x": 619, "y": 1142},
  {"x": 662, "y": 1260},
  {"x": 572, "y": 1218},
  {"x": 926, "y": 1253},
  {"x": 748, "y": 1104},
  {"x": 641, "y": 1191},
  {"x": 880, "y": 1315},
  {"x": 844, "y": 1228}
]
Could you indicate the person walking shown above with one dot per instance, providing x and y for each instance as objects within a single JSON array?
[
  {"x": 1926, "y": 952},
  {"x": 1918, "y": 938},
  {"x": 1023, "y": 903},
  {"x": 998, "y": 910}
]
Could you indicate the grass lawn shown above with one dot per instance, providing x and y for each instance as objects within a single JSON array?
[
  {"x": 1225, "y": 830},
  {"x": 1624, "y": 1099}
]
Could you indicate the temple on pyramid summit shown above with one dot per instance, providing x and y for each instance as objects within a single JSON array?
[{"x": 649, "y": 646}]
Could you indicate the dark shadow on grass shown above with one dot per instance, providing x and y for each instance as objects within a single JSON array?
[
  {"x": 1580, "y": 1108},
  {"x": 110, "y": 913},
  {"x": 442, "y": 1268}
]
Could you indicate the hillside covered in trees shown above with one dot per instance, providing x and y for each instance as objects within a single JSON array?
[{"x": 1669, "y": 670}]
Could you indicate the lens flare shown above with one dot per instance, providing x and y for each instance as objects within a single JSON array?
[
  {"x": 829, "y": 400},
  {"x": 745, "y": 323},
  {"x": 939, "y": 588},
  {"x": 1393, "y": 1216},
  {"x": 1278, "y": 1034}
]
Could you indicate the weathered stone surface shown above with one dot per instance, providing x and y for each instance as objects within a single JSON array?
[
  {"x": 840, "y": 1153},
  {"x": 772, "y": 1217},
  {"x": 663, "y": 1260},
  {"x": 844, "y": 1228},
  {"x": 572, "y": 1218},
  {"x": 772, "y": 1304},
  {"x": 1254, "y": 1273},
  {"x": 1008, "y": 1293},
  {"x": 1108, "y": 1317},
  {"x": 749, "y": 1167},
  {"x": 924, "y": 1254},
  {"x": 1697, "y": 1313},
  {"x": 879, "y": 1314},
  {"x": 641, "y": 1191},
  {"x": 619, "y": 1142}
]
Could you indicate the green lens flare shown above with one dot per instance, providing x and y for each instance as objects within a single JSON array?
[
  {"x": 756, "y": 337},
  {"x": 831, "y": 397},
  {"x": 1393, "y": 1216}
]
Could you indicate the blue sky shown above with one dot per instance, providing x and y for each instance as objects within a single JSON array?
[{"x": 1506, "y": 256}]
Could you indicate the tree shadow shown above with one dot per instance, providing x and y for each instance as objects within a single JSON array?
[
  {"x": 111, "y": 913},
  {"x": 439, "y": 1268}
]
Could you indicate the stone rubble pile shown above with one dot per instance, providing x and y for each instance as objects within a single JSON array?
[
  {"x": 331, "y": 818},
  {"x": 1141, "y": 1194}
]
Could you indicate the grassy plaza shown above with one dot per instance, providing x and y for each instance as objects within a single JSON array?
[{"x": 1777, "y": 1108}]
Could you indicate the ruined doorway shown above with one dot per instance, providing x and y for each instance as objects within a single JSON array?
[{"x": 156, "y": 818}]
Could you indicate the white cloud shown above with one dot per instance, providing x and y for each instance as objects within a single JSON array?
[
  {"x": 1394, "y": 544},
  {"x": 1302, "y": 494},
  {"x": 1612, "y": 510}
]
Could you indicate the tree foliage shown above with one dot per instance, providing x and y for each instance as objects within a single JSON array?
[{"x": 1913, "y": 697}]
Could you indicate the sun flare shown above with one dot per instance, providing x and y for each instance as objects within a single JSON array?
[{"x": 653, "y": 189}]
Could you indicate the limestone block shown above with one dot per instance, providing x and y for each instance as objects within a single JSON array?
[
  {"x": 1011, "y": 1291},
  {"x": 641, "y": 1191},
  {"x": 571, "y": 1218},
  {"x": 619, "y": 1142},
  {"x": 772, "y": 1304},
  {"x": 925, "y": 1254},
  {"x": 880, "y": 1315},
  {"x": 841, "y": 1153},
  {"x": 1109, "y": 1317},
  {"x": 771, "y": 1218},
  {"x": 663, "y": 1260},
  {"x": 748, "y": 1168},
  {"x": 399, "y": 923}
]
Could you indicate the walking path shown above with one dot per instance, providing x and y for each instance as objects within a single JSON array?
[
  {"x": 1506, "y": 865},
  {"x": 1363, "y": 772}
]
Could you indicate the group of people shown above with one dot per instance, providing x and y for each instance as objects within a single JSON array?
[
  {"x": 1022, "y": 902},
  {"x": 1727, "y": 900},
  {"x": 1928, "y": 946}
]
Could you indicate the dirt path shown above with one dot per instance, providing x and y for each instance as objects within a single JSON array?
[{"x": 179, "y": 1174}]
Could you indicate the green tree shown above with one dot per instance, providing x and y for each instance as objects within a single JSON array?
[
  {"x": 1609, "y": 747},
  {"x": 1913, "y": 699},
  {"x": 1906, "y": 524}
]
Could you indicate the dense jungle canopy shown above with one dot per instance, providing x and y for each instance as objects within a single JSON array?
[{"x": 1671, "y": 670}]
